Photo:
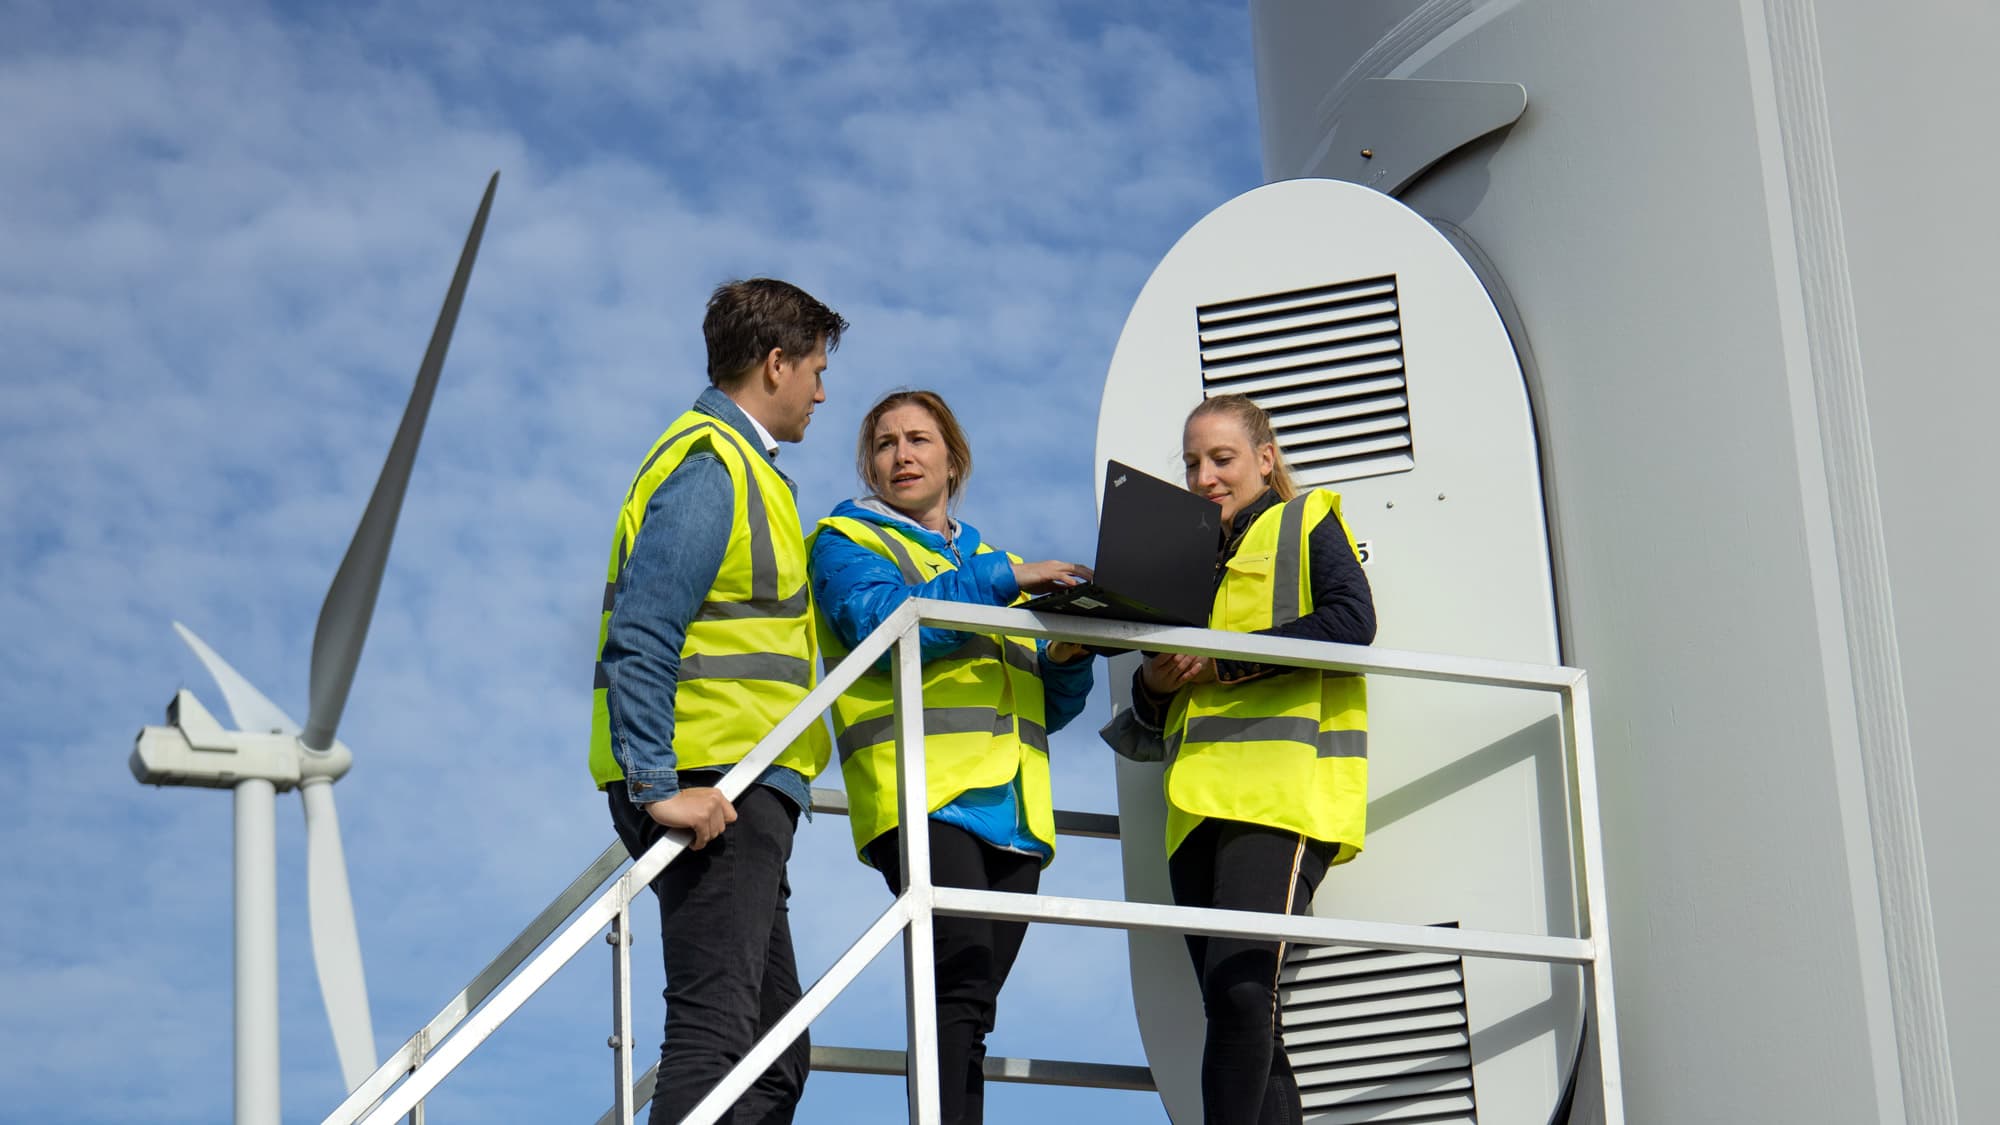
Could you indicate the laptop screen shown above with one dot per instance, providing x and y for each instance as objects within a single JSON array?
[{"x": 1156, "y": 544}]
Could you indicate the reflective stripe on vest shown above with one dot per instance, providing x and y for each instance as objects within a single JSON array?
[
  {"x": 937, "y": 720},
  {"x": 943, "y": 720},
  {"x": 1275, "y": 728},
  {"x": 1289, "y": 750},
  {"x": 764, "y": 601},
  {"x": 749, "y": 654},
  {"x": 743, "y": 666},
  {"x": 1291, "y": 560},
  {"x": 984, "y": 723},
  {"x": 747, "y": 666},
  {"x": 901, "y": 554}
]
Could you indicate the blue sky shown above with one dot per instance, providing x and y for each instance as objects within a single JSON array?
[{"x": 227, "y": 230}]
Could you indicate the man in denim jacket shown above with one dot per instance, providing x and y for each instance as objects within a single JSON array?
[{"x": 725, "y": 931}]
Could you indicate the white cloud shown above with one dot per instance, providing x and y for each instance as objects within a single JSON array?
[{"x": 227, "y": 236}]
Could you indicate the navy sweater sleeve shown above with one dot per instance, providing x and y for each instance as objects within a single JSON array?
[{"x": 1065, "y": 687}]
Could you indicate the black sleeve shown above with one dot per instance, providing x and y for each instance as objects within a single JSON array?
[
  {"x": 1343, "y": 608},
  {"x": 1148, "y": 708}
]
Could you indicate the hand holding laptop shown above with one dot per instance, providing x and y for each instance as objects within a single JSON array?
[{"x": 1166, "y": 672}]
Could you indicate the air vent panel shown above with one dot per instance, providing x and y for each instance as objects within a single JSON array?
[
  {"x": 1327, "y": 363},
  {"x": 1378, "y": 1036}
]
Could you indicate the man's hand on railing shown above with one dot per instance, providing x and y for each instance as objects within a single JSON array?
[{"x": 702, "y": 811}]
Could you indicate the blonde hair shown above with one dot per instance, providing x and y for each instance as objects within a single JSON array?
[
  {"x": 957, "y": 449},
  {"x": 1256, "y": 423}
]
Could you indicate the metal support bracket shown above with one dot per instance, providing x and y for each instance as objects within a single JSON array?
[
  {"x": 620, "y": 940},
  {"x": 1391, "y": 130}
]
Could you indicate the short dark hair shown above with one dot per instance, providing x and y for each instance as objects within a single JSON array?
[{"x": 746, "y": 319}]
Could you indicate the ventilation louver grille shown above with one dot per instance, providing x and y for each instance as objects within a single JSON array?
[
  {"x": 1378, "y": 1036},
  {"x": 1328, "y": 364}
]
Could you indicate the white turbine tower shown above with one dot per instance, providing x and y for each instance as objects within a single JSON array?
[{"x": 269, "y": 753}]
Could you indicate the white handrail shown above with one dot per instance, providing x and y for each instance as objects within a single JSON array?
[
  {"x": 406, "y": 1058},
  {"x": 591, "y": 880},
  {"x": 913, "y": 910},
  {"x": 536, "y": 972}
]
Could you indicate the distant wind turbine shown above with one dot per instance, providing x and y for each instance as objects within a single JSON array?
[{"x": 269, "y": 753}]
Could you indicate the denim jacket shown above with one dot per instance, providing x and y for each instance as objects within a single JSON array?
[{"x": 671, "y": 567}]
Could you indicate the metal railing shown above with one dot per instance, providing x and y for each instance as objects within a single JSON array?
[{"x": 400, "y": 1085}]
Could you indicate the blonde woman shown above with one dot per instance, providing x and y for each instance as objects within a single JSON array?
[
  {"x": 1267, "y": 776},
  {"x": 989, "y": 703}
]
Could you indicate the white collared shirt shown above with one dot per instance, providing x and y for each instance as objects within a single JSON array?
[{"x": 763, "y": 435}]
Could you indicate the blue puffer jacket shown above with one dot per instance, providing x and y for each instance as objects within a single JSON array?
[{"x": 857, "y": 589}]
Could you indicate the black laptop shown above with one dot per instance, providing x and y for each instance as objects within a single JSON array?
[{"x": 1156, "y": 545}]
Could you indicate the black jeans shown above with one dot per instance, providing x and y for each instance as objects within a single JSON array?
[
  {"x": 973, "y": 955},
  {"x": 1246, "y": 1079},
  {"x": 726, "y": 937}
]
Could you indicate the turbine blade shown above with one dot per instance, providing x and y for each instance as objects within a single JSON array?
[
  {"x": 336, "y": 945},
  {"x": 350, "y": 600},
  {"x": 247, "y": 706}
]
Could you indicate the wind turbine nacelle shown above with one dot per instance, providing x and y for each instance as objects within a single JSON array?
[{"x": 196, "y": 750}]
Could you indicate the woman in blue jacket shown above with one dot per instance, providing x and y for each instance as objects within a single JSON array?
[{"x": 989, "y": 703}]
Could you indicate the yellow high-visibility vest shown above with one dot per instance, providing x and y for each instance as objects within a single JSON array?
[
  {"x": 1289, "y": 751},
  {"x": 750, "y": 655},
  {"x": 984, "y": 719}
]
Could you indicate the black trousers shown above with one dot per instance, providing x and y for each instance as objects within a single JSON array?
[
  {"x": 1246, "y": 1078},
  {"x": 973, "y": 955},
  {"x": 726, "y": 937}
]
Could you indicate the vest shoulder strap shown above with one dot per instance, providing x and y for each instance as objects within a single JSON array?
[
  {"x": 690, "y": 433},
  {"x": 1294, "y": 520},
  {"x": 880, "y": 540}
]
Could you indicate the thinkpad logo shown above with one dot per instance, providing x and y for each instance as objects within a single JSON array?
[{"x": 1118, "y": 482}]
